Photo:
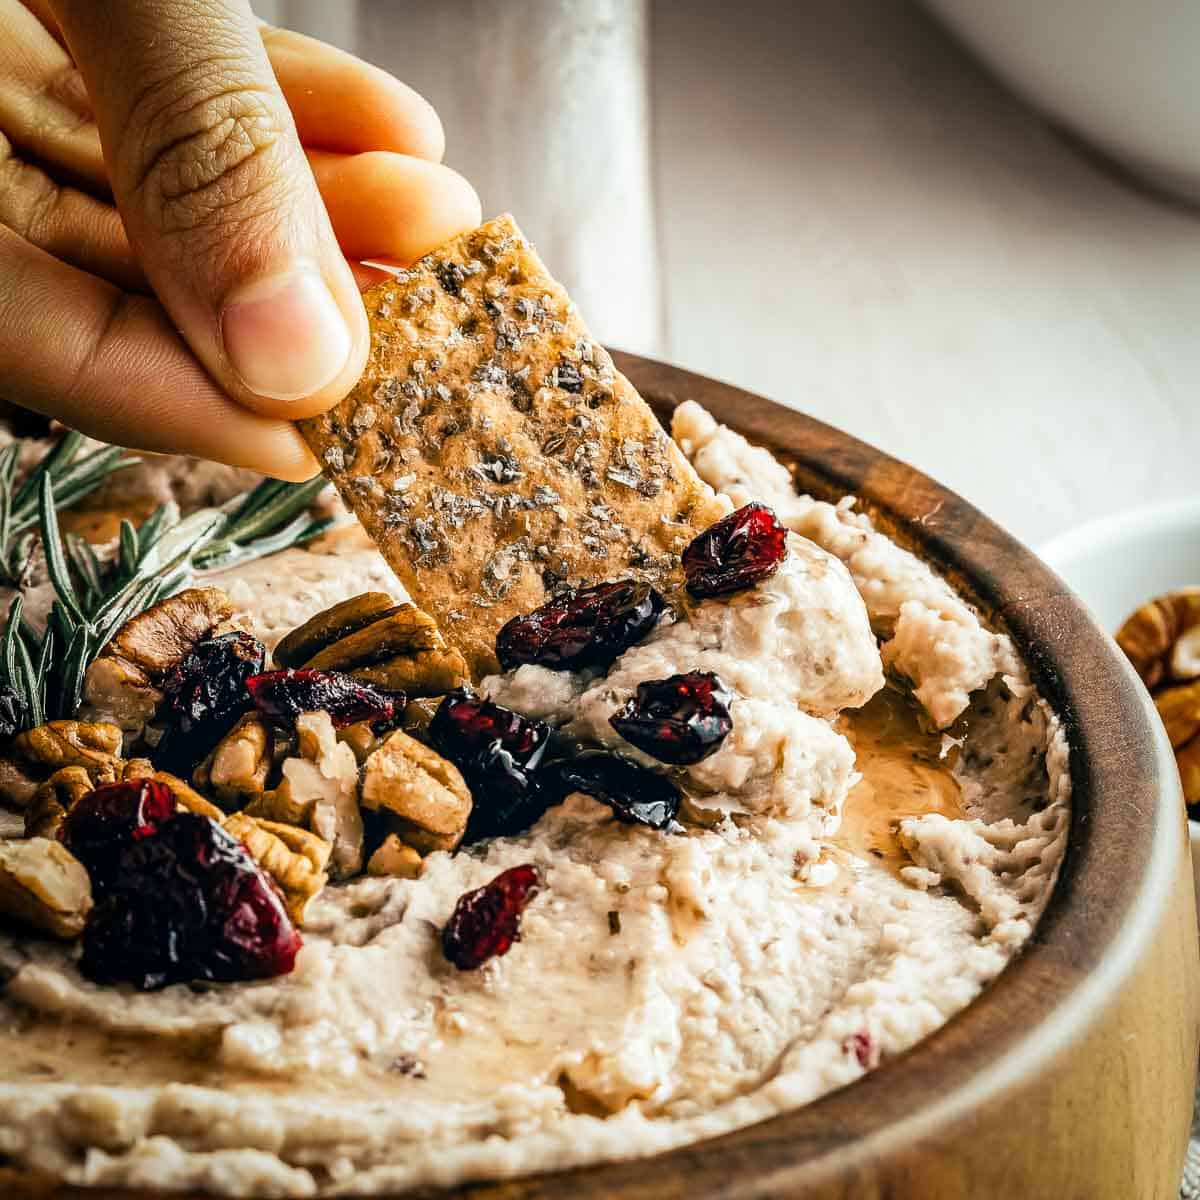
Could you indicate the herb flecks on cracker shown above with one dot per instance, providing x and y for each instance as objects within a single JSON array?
[{"x": 493, "y": 451}]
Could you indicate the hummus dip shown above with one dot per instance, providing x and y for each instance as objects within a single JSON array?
[{"x": 874, "y": 840}]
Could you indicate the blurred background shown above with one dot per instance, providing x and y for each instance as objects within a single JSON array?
[{"x": 837, "y": 204}]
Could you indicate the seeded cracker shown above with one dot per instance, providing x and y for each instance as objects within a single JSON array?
[{"x": 492, "y": 450}]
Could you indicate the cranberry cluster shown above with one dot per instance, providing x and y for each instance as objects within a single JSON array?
[
  {"x": 178, "y": 898},
  {"x": 224, "y": 676},
  {"x": 679, "y": 720},
  {"x": 502, "y": 756}
]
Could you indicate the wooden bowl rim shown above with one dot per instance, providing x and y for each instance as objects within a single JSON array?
[
  {"x": 1114, "y": 887},
  {"x": 1115, "y": 882}
]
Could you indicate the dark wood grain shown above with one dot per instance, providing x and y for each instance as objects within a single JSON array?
[{"x": 1072, "y": 1076}]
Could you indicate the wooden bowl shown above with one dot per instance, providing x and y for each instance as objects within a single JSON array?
[{"x": 1072, "y": 1075}]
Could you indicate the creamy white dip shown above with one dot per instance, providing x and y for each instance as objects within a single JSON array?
[{"x": 844, "y": 878}]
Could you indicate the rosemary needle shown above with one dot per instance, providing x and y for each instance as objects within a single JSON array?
[{"x": 93, "y": 599}]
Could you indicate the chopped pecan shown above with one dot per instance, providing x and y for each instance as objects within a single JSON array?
[
  {"x": 418, "y": 714},
  {"x": 1187, "y": 758},
  {"x": 1179, "y": 708},
  {"x": 1162, "y": 638},
  {"x": 44, "y": 885},
  {"x": 288, "y": 804},
  {"x": 294, "y": 858},
  {"x": 53, "y": 799},
  {"x": 319, "y": 788},
  {"x": 398, "y": 646},
  {"x": 122, "y": 684},
  {"x": 118, "y": 691},
  {"x": 236, "y": 770},
  {"x": 91, "y": 745},
  {"x": 393, "y": 857},
  {"x": 37, "y": 753},
  {"x": 17, "y": 786},
  {"x": 330, "y": 626},
  {"x": 188, "y": 798},
  {"x": 155, "y": 640},
  {"x": 361, "y": 738},
  {"x": 185, "y": 795},
  {"x": 426, "y": 800}
]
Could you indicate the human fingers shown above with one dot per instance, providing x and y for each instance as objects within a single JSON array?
[
  {"x": 67, "y": 223},
  {"x": 217, "y": 198},
  {"x": 392, "y": 206},
  {"x": 384, "y": 207},
  {"x": 112, "y": 366},
  {"x": 43, "y": 103},
  {"x": 339, "y": 102}
]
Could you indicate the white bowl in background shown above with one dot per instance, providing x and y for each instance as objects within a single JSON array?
[
  {"x": 1122, "y": 73},
  {"x": 1117, "y": 563}
]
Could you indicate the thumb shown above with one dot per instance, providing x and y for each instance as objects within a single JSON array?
[{"x": 217, "y": 198}]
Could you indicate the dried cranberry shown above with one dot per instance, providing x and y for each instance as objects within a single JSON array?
[
  {"x": 13, "y": 714},
  {"x": 203, "y": 696},
  {"x": 863, "y": 1046},
  {"x": 101, "y": 824},
  {"x": 584, "y": 628},
  {"x": 187, "y": 902},
  {"x": 463, "y": 724},
  {"x": 737, "y": 552},
  {"x": 281, "y": 696},
  {"x": 679, "y": 720},
  {"x": 486, "y": 922},
  {"x": 498, "y": 752},
  {"x": 635, "y": 793}
]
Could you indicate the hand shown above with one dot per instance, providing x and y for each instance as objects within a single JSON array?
[{"x": 180, "y": 190}]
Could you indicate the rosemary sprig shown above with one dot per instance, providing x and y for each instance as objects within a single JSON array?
[
  {"x": 72, "y": 475},
  {"x": 92, "y": 600}
]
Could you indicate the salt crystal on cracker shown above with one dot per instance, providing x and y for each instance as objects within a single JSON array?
[{"x": 492, "y": 450}]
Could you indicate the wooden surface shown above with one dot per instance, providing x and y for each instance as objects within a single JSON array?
[{"x": 1071, "y": 1077}]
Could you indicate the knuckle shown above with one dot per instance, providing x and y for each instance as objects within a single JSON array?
[
  {"x": 66, "y": 86},
  {"x": 205, "y": 147}
]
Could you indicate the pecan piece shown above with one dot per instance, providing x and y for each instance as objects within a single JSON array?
[
  {"x": 34, "y": 755},
  {"x": 319, "y": 789},
  {"x": 423, "y": 795},
  {"x": 122, "y": 684},
  {"x": 186, "y": 796},
  {"x": 393, "y": 857},
  {"x": 155, "y": 640},
  {"x": 361, "y": 738},
  {"x": 1161, "y": 637},
  {"x": 236, "y": 770},
  {"x": 1179, "y": 708},
  {"x": 294, "y": 858},
  {"x": 44, "y": 885},
  {"x": 54, "y": 798},
  {"x": 1187, "y": 758},
  {"x": 397, "y": 647},
  {"x": 330, "y": 626}
]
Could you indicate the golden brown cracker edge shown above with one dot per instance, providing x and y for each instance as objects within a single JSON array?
[{"x": 492, "y": 450}]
